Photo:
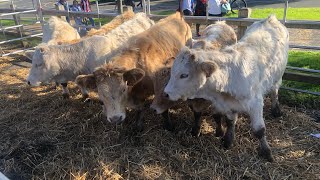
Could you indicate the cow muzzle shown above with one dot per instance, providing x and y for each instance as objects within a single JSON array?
[{"x": 116, "y": 119}]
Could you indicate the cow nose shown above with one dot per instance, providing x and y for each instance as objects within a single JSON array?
[
  {"x": 116, "y": 119},
  {"x": 29, "y": 83}
]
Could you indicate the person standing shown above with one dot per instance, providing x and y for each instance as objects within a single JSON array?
[
  {"x": 77, "y": 19},
  {"x": 186, "y": 6},
  {"x": 85, "y": 5},
  {"x": 200, "y": 10},
  {"x": 214, "y": 8},
  {"x": 65, "y": 7}
]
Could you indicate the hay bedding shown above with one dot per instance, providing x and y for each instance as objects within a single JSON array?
[{"x": 44, "y": 136}]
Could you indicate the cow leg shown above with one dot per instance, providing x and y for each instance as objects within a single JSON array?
[
  {"x": 167, "y": 123},
  {"x": 139, "y": 126},
  {"x": 196, "y": 129},
  {"x": 229, "y": 135},
  {"x": 85, "y": 94},
  {"x": 55, "y": 85},
  {"x": 218, "y": 119},
  {"x": 65, "y": 90},
  {"x": 275, "y": 108},
  {"x": 259, "y": 129}
]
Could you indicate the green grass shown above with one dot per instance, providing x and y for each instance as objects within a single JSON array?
[
  {"x": 292, "y": 14},
  {"x": 303, "y": 59},
  {"x": 102, "y": 20},
  {"x": 10, "y": 22}
]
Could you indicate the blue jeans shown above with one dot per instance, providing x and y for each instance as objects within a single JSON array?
[{"x": 91, "y": 21}]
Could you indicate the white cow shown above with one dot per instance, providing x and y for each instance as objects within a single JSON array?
[
  {"x": 63, "y": 63},
  {"x": 57, "y": 30},
  {"x": 236, "y": 78}
]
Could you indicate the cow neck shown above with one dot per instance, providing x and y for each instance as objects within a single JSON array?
[{"x": 127, "y": 61}]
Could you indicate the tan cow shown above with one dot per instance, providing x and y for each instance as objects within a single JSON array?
[
  {"x": 117, "y": 21},
  {"x": 128, "y": 78},
  {"x": 105, "y": 29},
  {"x": 215, "y": 36}
]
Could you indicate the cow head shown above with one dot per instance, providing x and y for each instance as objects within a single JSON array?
[
  {"x": 113, "y": 84},
  {"x": 188, "y": 74},
  {"x": 161, "y": 102},
  {"x": 44, "y": 67}
]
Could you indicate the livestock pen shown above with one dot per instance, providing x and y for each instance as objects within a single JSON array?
[{"x": 44, "y": 136}]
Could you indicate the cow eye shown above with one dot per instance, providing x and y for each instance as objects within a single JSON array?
[
  {"x": 38, "y": 65},
  {"x": 100, "y": 102},
  {"x": 182, "y": 76}
]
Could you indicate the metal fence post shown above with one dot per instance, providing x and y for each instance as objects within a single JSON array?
[
  {"x": 286, "y": 5},
  {"x": 144, "y": 6},
  {"x": 148, "y": 7},
  {"x": 97, "y": 4},
  {"x": 39, "y": 11}
]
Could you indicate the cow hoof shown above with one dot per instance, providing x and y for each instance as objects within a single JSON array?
[
  {"x": 219, "y": 133},
  {"x": 227, "y": 141},
  {"x": 276, "y": 112},
  {"x": 266, "y": 154},
  {"x": 65, "y": 96},
  {"x": 196, "y": 131}
]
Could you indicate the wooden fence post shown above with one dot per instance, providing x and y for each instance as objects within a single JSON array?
[
  {"x": 16, "y": 19},
  {"x": 61, "y": 8},
  {"x": 243, "y": 13},
  {"x": 127, "y": 8},
  {"x": 120, "y": 7}
]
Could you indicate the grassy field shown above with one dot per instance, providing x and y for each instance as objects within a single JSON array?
[
  {"x": 292, "y": 14},
  {"x": 303, "y": 59}
]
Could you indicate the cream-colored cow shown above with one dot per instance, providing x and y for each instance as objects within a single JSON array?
[{"x": 236, "y": 78}]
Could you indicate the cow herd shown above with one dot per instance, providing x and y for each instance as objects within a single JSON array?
[{"x": 132, "y": 58}]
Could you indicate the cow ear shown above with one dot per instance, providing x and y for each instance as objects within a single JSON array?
[
  {"x": 87, "y": 81},
  {"x": 169, "y": 61},
  {"x": 200, "y": 44},
  {"x": 208, "y": 68},
  {"x": 133, "y": 76},
  {"x": 29, "y": 54},
  {"x": 189, "y": 43}
]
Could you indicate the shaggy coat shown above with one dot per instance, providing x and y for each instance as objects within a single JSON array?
[
  {"x": 117, "y": 21},
  {"x": 236, "y": 78},
  {"x": 58, "y": 30},
  {"x": 63, "y": 63},
  {"x": 128, "y": 79}
]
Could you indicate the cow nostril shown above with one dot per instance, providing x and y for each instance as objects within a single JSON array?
[
  {"x": 166, "y": 95},
  {"x": 29, "y": 83}
]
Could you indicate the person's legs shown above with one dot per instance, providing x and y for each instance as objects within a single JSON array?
[
  {"x": 91, "y": 21},
  {"x": 198, "y": 29},
  {"x": 187, "y": 12}
]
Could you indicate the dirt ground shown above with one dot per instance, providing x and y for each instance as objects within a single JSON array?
[{"x": 44, "y": 136}]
